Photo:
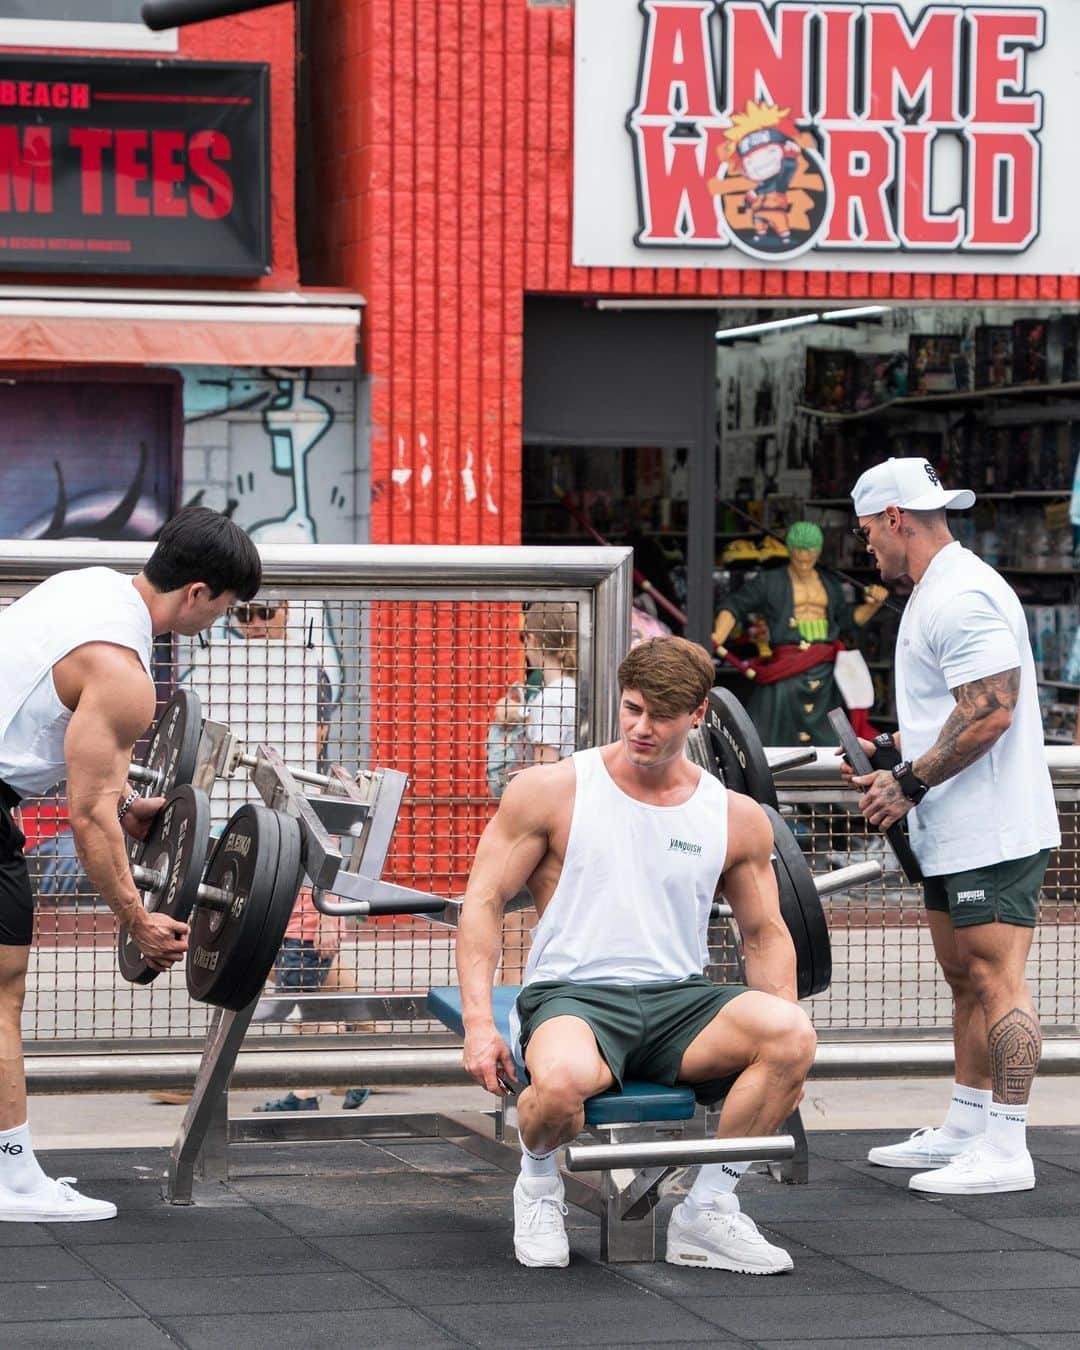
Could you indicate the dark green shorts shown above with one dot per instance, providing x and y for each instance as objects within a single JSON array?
[
  {"x": 1004, "y": 892},
  {"x": 642, "y": 1030}
]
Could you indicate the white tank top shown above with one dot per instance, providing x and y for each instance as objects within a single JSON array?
[
  {"x": 632, "y": 904},
  {"x": 92, "y": 604}
]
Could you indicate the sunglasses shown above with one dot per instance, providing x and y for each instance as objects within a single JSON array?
[
  {"x": 862, "y": 532},
  {"x": 254, "y": 613}
]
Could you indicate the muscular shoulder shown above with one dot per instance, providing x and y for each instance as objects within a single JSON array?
[
  {"x": 750, "y": 837},
  {"x": 534, "y": 796},
  {"x": 112, "y": 681}
]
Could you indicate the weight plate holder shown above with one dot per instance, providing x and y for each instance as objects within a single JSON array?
[
  {"x": 802, "y": 910},
  {"x": 226, "y": 941},
  {"x": 737, "y": 748},
  {"x": 173, "y": 749},
  {"x": 175, "y": 850}
]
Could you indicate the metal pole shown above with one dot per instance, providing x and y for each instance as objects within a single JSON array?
[
  {"x": 677, "y": 1152},
  {"x": 159, "y": 14}
]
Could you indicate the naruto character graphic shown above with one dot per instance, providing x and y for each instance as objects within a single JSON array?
[{"x": 772, "y": 182}]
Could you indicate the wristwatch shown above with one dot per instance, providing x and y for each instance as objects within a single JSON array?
[{"x": 911, "y": 785}]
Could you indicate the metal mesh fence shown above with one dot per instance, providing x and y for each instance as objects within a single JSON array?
[{"x": 440, "y": 689}]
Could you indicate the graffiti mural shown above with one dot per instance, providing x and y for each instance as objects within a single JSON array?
[{"x": 87, "y": 458}]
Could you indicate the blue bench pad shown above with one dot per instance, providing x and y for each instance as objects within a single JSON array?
[{"x": 637, "y": 1102}]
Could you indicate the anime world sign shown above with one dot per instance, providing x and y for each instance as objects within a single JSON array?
[{"x": 826, "y": 134}]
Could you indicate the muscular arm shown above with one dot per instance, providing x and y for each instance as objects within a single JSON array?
[
  {"x": 113, "y": 704},
  {"x": 749, "y": 886},
  {"x": 983, "y": 714},
  {"x": 509, "y": 852}
]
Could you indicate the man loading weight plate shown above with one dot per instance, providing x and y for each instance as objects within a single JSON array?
[
  {"x": 970, "y": 768},
  {"x": 76, "y": 693},
  {"x": 622, "y": 848}
]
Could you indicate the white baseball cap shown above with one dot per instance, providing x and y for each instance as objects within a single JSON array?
[{"x": 911, "y": 484}]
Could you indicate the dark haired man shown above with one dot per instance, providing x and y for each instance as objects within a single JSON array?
[
  {"x": 623, "y": 848},
  {"x": 76, "y": 693},
  {"x": 969, "y": 772}
]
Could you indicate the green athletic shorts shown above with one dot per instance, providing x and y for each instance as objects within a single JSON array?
[
  {"x": 1004, "y": 892},
  {"x": 642, "y": 1030}
]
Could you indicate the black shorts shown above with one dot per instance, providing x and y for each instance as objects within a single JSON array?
[{"x": 16, "y": 896}]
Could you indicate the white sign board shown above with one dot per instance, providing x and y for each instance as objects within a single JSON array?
[{"x": 827, "y": 135}]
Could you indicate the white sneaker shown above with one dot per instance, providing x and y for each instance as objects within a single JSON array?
[
  {"x": 539, "y": 1231},
  {"x": 722, "y": 1241},
  {"x": 56, "y": 1202},
  {"x": 925, "y": 1148},
  {"x": 982, "y": 1170}
]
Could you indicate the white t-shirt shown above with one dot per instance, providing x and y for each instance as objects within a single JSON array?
[
  {"x": 551, "y": 717},
  {"x": 964, "y": 622}
]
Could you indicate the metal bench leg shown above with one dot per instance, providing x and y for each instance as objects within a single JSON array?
[
  {"x": 794, "y": 1171},
  {"x": 623, "y": 1238}
]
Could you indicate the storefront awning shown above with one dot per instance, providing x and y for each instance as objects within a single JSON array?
[{"x": 125, "y": 333}]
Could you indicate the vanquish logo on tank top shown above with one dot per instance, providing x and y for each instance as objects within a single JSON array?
[{"x": 681, "y": 846}]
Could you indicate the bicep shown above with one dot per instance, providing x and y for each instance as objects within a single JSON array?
[
  {"x": 994, "y": 694},
  {"x": 511, "y": 848},
  {"x": 749, "y": 882}
]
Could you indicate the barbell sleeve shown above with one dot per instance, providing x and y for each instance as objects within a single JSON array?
[
  {"x": 678, "y": 1152},
  {"x": 322, "y": 780},
  {"x": 211, "y": 897},
  {"x": 857, "y": 874}
]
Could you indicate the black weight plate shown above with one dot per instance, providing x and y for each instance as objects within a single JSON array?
[
  {"x": 278, "y": 913},
  {"x": 175, "y": 846},
  {"x": 856, "y": 756},
  {"x": 801, "y": 907},
  {"x": 244, "y": 864},
  {"x": 738, "y": 749},
  {"x": 173, "y": 748}
]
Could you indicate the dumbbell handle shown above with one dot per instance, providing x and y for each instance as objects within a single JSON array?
[{"x": 210, "y": 897}]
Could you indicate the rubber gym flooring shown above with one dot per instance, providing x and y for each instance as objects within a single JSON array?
[{"x": 409, "y": 1244}]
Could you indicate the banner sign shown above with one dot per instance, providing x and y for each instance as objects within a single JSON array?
[
  {"x": 134, "y": 166},
  {"x": 826, "y": 134}
]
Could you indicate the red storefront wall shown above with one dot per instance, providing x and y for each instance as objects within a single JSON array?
[
  {"x": 446, "y": 175},
  {"x": 269, "y": 36}
]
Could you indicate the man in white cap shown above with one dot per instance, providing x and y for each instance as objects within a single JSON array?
[{"x": 968, "y": 771}]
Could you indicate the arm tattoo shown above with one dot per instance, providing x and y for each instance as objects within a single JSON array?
[
  {"x": 1015, "y": 1048},
  {"x": 966, "y": 735}
]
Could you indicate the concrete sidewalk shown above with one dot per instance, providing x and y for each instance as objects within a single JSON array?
[{"x": 133, "y": 1120}]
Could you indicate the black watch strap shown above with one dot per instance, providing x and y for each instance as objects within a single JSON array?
[{"x": 911, "y": 785}]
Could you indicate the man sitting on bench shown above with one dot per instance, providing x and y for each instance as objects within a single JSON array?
[{"x": 622, "y": 848}]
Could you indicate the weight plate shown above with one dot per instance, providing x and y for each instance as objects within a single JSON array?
[
  {"x": 801, "y": 908},
  {"x": 279, "y": 910},
  {"x": 176, "y": 848},
  {"x": 173, "y": 748},
  {"x": 857, "y": 757},
  {"x": 738, "y": 749},
  {"x": 243, "y": 864}
]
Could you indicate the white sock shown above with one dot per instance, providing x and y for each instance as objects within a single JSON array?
[
  {"x": 966, "y": 1116},
  {"x": 535, "y": 1166},
  {"x": 715, "y": 1187},
  {"x": 19, "y": 1169},
  {"x": 1006, "y": 1128}
]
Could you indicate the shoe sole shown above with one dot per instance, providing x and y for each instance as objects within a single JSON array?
[
  {"x": 697, "y": 1256},
  {"x": 923, "y": 1165},
  {"x": 540, "y": 1265},
  {"x": 41, "y": 1216},
  {"x": 974, "y": 1189}
]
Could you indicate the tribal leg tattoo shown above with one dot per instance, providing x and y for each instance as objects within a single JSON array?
[{"x": 1015, "y": 1049}]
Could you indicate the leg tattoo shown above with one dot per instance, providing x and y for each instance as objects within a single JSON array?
[{"x": 1015, "y": 1048}]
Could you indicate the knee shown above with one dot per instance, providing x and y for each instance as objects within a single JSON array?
[
  {"x": 557, "y": 1098},
  {"x": 958, "y": 978},
  {"x": 794, "y": 1042}
]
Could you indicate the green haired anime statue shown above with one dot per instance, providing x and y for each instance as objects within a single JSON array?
[{"x": 811, "y": 623}]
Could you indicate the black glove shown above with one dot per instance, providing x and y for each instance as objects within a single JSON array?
[{"x": 886, "y": 755}]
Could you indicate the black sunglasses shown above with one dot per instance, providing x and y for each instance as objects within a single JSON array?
[
  {"x": 862, "y": 532},
  {"x": 248, "y": 613}
]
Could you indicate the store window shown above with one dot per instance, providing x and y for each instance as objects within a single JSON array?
[
  {"x": 85, "y": 24},
  {"x": 990, "y": 395}
]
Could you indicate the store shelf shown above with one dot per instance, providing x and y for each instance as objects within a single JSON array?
[
  {"x": 1057, "y": 684},
  {"x": 943, "y": 402},
  {"x": 1017, "y": 570}
]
